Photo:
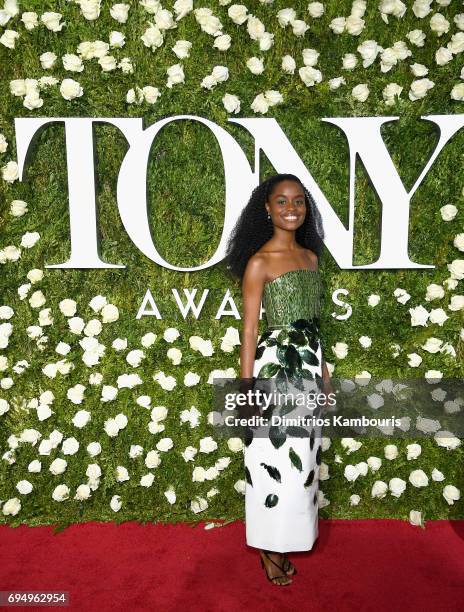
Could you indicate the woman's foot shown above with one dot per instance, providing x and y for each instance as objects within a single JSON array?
[
  {"x": 288, "y": 566},
  {"x": 272, "y": 564}
]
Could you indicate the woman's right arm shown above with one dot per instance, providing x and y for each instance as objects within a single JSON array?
[{"x": 252, "y": 291}]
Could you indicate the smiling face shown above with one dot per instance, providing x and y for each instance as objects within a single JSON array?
[{"x": 287, "y": 205}]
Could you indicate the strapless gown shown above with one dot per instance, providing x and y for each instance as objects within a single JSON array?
[{"x": 281, "y": 494}]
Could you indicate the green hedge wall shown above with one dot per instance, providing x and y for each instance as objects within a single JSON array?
[{"x": 186, "y": 194}]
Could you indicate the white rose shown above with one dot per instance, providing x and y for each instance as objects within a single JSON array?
[
  {"x": 336, "y": 82},
  {"x": 164, "y": 444},
  {"x": 255, "y": 65},
  {"x": 115, "y": 503},
  {"x": 414, "y": 360},
  {"x": 220, "y": 73},
  {"x": 354, "y": 25},
  {"x": 437, "y": 476},
  {"x": 415, "y": 518},
  {"x": 70, "y": 89},
  {"x": 10, "y": 172},
  {"x": 365, "y": 341},
  {"x": 30, "y": 20},
  {"x": 170, "y": 495},
  {"x": 51, "y": 21},
  {"x": 419, "y": 316},
  {"x": 175, "y": 355},
  {"x": 68, "y": 307},
  {"x": 37, "y": 299},
  {"x": 222, "y": 42},
  {"x": 456, "y": 267},
  {"x": 189, "y": 453},
  {"x": 255, "y": 27},
  {"x": 451, "y": 494},
  {"x": 299, "y": 27},
  {"x": 34, "y": 466},
  {"x": 175, "y": 75},
  {"x": 191, "y": 379},
  {"x": 231, "y": 103},
  {"x": 18, "y": 208},
  {"x": 117, "y": 39},
  {"x": 349, "y": 61},
  {"x": 147, "y": 480},
  {"x": 443, "y": 56},
  {"x": 438, "y": 316},
  {"x": 94, "y": 449},
  {"x": 8, "y": 38},
  {"x": 351, "y": 473},
  {"x": 109, "y": 313},
  {"x": 235, "y": 444},
  {"x": 360, "y": 92},
  {"x": 459, "y": 241},
  {"x": 419, "y": 88},
  {"x": 379, "y": 489},
  {"x": 198, "y": 505},
  {"x": 416, "y": 37},
  {"x": 418, "y": 478},
  {"x": 447, "y": 440},
  {"x": 340, "y": 350},
  {"x": 122, "y": 474},
  {"x": 108, "y": 63},
  {"x": 70, "y": 446},
  {"x": 439, "y": 24},
  {"x": 286, "y": 16},
  {"x": 81, "y": 418},
  {"x": 171, "y": 334},
  {"x": 315, "y": 9},
  {"x": 60, "y": 493},
  {"x": 208, "y": 445},
  {"x": 151, "y": 94},
  {"x": 456, "y": 44},
  {"x": 413, "y": 451},
  {"x": 82, "y": 492},
  {"x": 310, "y": 57},
  {"x": 374, "y": 463},
  {"x": 337, "y": 25},
  {"x": 120, "y": 12},
  {"x": 309, "y": 75},
  {"x": 288, "y": 64},
  {"x": 182, "y": 48},
  {"x": 457, "y": 303},
  {"x": 391, "y": 451},
  {"x": 448, "y": 212},
  {"x": 198, "y": 474},
  {"x": 72, "y": 62},
  {"x": 273, "y": 97},
  {"x": 24, "y": 487},
  {"x": 397, "y": 486},
  {"x": 238, "y": 13},
  {"x": 373, "y": 299},
  {"x": 152, "y": 460},
  {"x": 457, "y": 93},
  {"x": 11, "y": 507},
  {"x": 350, "y": 445}
]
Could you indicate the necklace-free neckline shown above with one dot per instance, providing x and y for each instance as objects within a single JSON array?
[{"x": 291, "y": 271}]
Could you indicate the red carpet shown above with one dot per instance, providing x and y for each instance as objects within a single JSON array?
[{"x": 373, "y": 565}]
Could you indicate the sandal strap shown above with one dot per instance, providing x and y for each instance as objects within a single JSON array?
[{"x": 276, "y": 564}]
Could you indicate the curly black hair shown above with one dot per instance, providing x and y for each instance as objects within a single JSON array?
[{"x": 253, "y": 228}]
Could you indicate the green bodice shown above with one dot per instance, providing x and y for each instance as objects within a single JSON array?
[{"x": 296, "y": 294}]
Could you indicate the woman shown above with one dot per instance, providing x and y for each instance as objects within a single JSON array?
[{"x": 274, "y": 249}]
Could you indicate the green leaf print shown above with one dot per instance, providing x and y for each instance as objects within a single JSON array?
[
  {"x": 308, "y": 356},
  {"x": 295, "y": 459},
  {"x": 272, "y": 471},
  {"x": 268, "y": 370},
  {"x": 271, "y": 500},
  {"x": 277, "y": 436},
  {"x": 309, "y": 481}
]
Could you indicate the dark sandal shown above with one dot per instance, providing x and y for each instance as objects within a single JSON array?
[
  {"x": 288, "y": 566},
  {"x": 271, "y": 579}
]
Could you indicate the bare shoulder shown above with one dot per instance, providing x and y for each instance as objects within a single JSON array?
[
  {"x": 255, "y": 270},
  {"x": 312, "y": 258}
]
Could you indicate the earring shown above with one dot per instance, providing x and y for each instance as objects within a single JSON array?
[{"x": 268, "y": 216}]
